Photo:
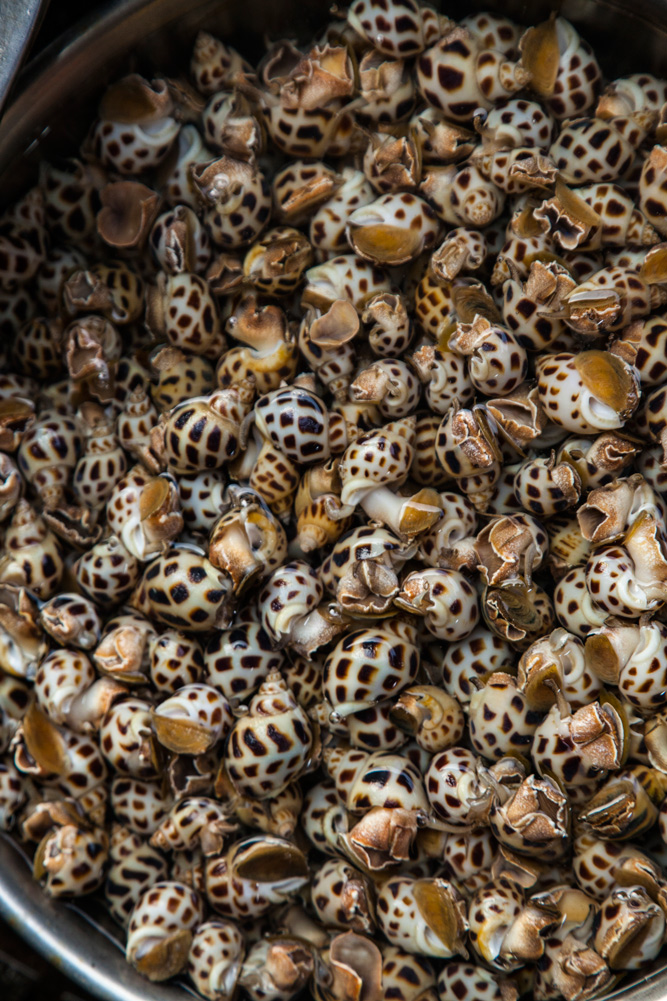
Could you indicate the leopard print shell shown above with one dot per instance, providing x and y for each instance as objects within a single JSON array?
[
  {"x": 238, "y": 660},
  {"x": 138, "y": 805},
  {"x": 161, "y": 929},
  {"x": 366, "y": 666},
  {"x": 133, "y": 867},
  {"x": 269, "y": 746}
]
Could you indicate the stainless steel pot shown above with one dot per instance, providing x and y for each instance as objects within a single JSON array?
[{"x": 55, "y": 102}]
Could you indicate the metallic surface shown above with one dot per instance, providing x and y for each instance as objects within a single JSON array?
[
  {"x": 19, "y": 22},
  {"x": 56, "y": 101},
  {"x": 71, "y": 940}
]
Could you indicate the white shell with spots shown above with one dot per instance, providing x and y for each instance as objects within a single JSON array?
[
  {"x": 183, "y": 589},
  {"x": 568, "y": 402},
  {"x": 590, "y": 149},
  {"x": 391, "y": 384},
  {"x": 342, "y": 897},
  {"x": 574, "y": 606},
  {"x": 518, "y": 122},
  {"x": 125, "y": 738},
  {"x": 345, "y": 277},
  {"x": 12, "y": 794},
  {"x": 199, "y": 706},
  {"x": 107, "y": 572},
  {"x": 480, "y": 653},
  {"x": 239, "y": 659},
  {"x": 73, "y": 860},
  {"x": 62, "y": 676},
  {"x": 175, "y": 660},
  {"x": 270, "y": 745},
  {"x": 323, "y": 816},
  {"x": 500, "y": 719},
  {"x": 401, "y": 920},
  {"x": 578, "y": 73},
  {"x": 402, "y": 30},
  {"x": 394, "y": 229},
  {"x": 297, "y": 423},
  {"x": 132, "y": 148},
  {"x": 367, "y": 666},
  {"x": 328, "y": 225},
  {"x": 454, "y": 785},
  {"x": 612, "y": 583},
  {"x": 215, "y": 958},
  {"x": 162, "y": 911},
  {"x": 234, "y": 894},
  {"x": 497, "y": 362},
  {"x": 452, "y": 77},
  {"x": 133, "y": 867},
  {"x": 195, "y": 822},
  {"x": 468, "y": 982},
  {"x": 290, "y": 593},
  {"x": 378, "y": 459},
  {"x": 445, "y": 598},
  {"x": 140, "y": 806},
  {"x": 545, "y": 487},
  {"x": 382, "y": 779},
  {"x": 492, "y": 912},
  {"x": 643, "y": 680},
  {"x": 462, "y": 195}
]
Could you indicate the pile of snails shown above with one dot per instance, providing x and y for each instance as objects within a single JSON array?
[{"x": 333, "y": 486}]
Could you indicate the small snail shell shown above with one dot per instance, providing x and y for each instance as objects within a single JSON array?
[
  {"x": 161, "y": 929},
  {"x": 271, "y": 744}
]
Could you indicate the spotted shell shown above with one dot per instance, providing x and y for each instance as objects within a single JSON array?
[
  {"x": 255, "y": 875},
  {"x": 238, "y": 660},
  {"x": 138, "y": 805},
  {"x": 366, "y": 666},
  {"x": 403, "y": 32},
  {"x": 271, "y": 744},
  {"x": 215, "y": 958},
  {"x": 161, "y": 929},
  {"x": 192, "y": 720},
  {"x": 586, "y": 399},
  {"x": 125, "y": 739},
  {"x": 133, "y": 867},
  {"x": 182, "y": 589},
  {"x": 480, "y": 653},
  {"x": 70, "y": 860},
  {"x": 175, "y": 660},
  {"x": 413, "y": 915},
  {"x": 296, "y": 421},
  {"x": 452, "y": 76}
]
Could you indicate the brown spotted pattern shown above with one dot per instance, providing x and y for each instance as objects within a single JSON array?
[
  {"x": 237, "y": 660},
  {"x": 138, "y": 805},
  {"x": 12, "y": 794},
  {"x": 175, "y": 660},
  {"x": 343, "y": 897},
  {"x": 366, "y": 666},
  {"x": 574, "y": 606},
  {"x": 129, "y": 148},
  {"x": 270, "y": 745},
  {"x": 114, "y": 290},
  {"x": 133, "y": 867},
  {"x": 296, "y": 421},
  {"x": 500, "y": 720},
  {"x": 73, "y": 859},
  {"x": 590, "y": 149},
  {"x": 164, "y": 910},
  {"x": 125, "y": 739},
  {"x": 230, "y": 888},
  {"x": 107, "y": 573},
  {"x": 214, "y": 960}
]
